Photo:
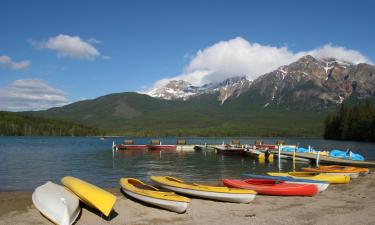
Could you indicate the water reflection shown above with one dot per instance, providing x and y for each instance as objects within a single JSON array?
[{"x": 27, "y": 162}]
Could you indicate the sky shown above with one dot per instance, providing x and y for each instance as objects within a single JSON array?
[{"x": 54, "y": 53}]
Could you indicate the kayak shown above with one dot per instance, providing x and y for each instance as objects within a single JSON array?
[
  {"x": 315, "y": 170},
  {"x": 331, "y": 178},
  {"x": 346, "y": 155},
  {"x": 338, "y": 169},
  {"x": 56, "y": 203},
  {"x": 273, "y": 187},
  {"x": 321, "y": 185},
  {"x": 151, "y": 195},
  {"x": 90, "y": 194},
  {"x": 203, "y": 191}
]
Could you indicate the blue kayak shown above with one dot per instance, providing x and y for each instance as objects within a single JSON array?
[
  {"x": 321, "y": 185},
  {"x": 346, "y": 155}
]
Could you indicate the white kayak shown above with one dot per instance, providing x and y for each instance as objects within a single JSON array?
[{"x": 56, "y": 203}]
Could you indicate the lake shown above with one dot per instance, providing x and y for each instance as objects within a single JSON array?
[{"x": 27, "y": 162}]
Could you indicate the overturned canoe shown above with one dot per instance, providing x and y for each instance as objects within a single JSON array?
[
  {"x": 203, "y": 191},
  {"x": 331, "y": 178},
  {"x": 56, "y": 203},
  {"x": 151, "y": 195},
  {"x": 273, "y": 187},
  {"x": 321, "y": 185},
  {"x": 90, "y": 194}
]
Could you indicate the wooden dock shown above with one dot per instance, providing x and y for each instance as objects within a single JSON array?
[{"x": 329, "y": 160}]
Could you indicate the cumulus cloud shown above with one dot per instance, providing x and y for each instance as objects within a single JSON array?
[
  {"x": 7, "y": 62},
  {"x": 69, "y": 46},
  {"x": 30, "y": 94},
  {"x": 239, "y": 57}
]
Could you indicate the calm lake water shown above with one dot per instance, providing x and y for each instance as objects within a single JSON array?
[{"x": 27, "y": 162}]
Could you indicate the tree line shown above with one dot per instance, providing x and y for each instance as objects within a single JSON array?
[
  {"x": 355, "y": 123},
  {"x": 15, "y": 124}
]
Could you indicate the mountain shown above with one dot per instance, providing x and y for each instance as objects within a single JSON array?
[
  {"x": 314, "y": 84},
  {"x": 292, "y": 100},
  {"x": 308, "y": 84},
  {"x": 179, "y": 89}
]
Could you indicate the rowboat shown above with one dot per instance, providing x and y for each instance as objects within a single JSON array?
[
  {"x": 131, "y": 147},
  {"x": 229, "y": 150},
  {"x": 56, "y": 203},
  {"x": 321, "y": 185},
  {"x": 338, "y": 169},
  {"x": 151, "y": 195},
  {"x": 273, "y": 187},
  {"x": 331, "y": 178},
  {"x": 90, "y": 194},
  {"x": 203, "y": 191},
  {"x": 161, "y": 147}
]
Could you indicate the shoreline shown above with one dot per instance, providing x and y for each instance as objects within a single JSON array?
[{"x": 353, "y": 203}]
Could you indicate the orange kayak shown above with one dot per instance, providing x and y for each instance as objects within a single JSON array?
[{"x": 338, "y": 169}]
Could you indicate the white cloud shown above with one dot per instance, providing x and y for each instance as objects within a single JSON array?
[
  {"x": 106, "y": 57},
  {"x": 7, "y": 62},
  {"x": 69, "y": 46},
  {"x": 239, "y": 57},
  {"x": 31, "y": 94},
  {"x": 94, "y": 41}
]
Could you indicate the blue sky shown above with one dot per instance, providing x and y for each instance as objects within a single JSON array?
[{"x": 131, "y": 45}]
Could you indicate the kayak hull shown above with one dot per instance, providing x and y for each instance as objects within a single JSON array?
[
  {"x": 273, "y": 187},
  {"x": 321, "y": 185},
  {"x": 151, "y": 195},
  {"x": 202, "y": 191},
  {"x": 331, "y": 178},
  {"x": 56, "y": 203},
  {"x": 90, "y": 194}
]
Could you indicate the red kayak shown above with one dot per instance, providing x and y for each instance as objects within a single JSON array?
[{"x": 273, "y": 187}]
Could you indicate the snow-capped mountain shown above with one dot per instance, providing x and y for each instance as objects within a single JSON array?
[
  {"x": 179, "y": 89},
  {"x": 311, "y": 83},
  {"x": 308, "y": 83}
]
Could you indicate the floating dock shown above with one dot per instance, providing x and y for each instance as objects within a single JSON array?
[{"x": 328, "y": 160}]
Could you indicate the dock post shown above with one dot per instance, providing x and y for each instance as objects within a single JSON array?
[
  {"x": 294, "y": 160},
  {"x": 279, "y": 153},
  {"x": 113, "y": 145},
  {"x": 317, "y": 158}
]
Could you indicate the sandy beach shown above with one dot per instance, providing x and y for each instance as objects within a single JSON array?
[{"x": 340, "y": 204}]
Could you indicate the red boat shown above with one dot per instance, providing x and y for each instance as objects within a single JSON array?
[
  {"x": 273, "y": 187},
  {"x": 161, "y": 147},
  {"x": 266, "y": 146},
  {"x": 131, "y": 147}
]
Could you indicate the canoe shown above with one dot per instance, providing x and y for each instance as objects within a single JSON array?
[
  {"x": 273, "y": 187},
  {"x": 336, "y": 172},
  {"x": 203, "y": 191},
  {"x": 321, "y": 185},
  {"x": 331, "y": 178},
  {"x": 338, "y": 169},
  {"x": 90, "y": 194},
  {"x": 56, "y": 203},
  {"x": 151, "y": 195}
]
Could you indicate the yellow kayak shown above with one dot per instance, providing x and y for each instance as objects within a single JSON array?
[
  {"x": 90, "y": 194},
  {"x": 204, "y": 191},
  {"x": 338, "y": 169},
  {"x": 149, "y": 194},
  {"x": 328, "y": 177}
]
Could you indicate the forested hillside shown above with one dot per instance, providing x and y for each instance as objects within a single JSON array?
[
  {"x": 352, "y": 123},
  {"x": 14, "y": 124}
]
